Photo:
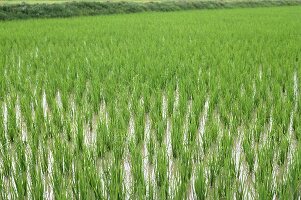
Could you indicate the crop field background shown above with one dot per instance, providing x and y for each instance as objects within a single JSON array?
[
  {"x": 179, "y": 105},
  {"x": 63, "y": 9}
]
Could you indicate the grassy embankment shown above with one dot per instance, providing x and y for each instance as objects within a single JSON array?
[{"x": 33, "y": 9}]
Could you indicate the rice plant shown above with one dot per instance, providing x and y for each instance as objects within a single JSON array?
[{"x": 179, "y": 105}]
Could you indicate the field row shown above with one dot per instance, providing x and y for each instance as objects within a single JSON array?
[{"x": 161, "y": 152}]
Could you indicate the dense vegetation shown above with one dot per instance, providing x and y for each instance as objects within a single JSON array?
[
  {"x": 192, "y": 104},
  {"x": 68, "y": 9}
]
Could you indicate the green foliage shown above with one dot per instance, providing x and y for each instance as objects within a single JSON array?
[
  {"x": 69, "y": 9},
  {"x": 85, "y": 103}
]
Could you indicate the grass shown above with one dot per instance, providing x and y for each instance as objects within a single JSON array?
[
  {"x": 84, "y": 8},
  {"x": 62, "y": 1},
  {"x": 188, "y": 104}
]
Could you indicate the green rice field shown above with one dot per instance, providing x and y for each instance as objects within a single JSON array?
[{"x": 179, "y": 105}]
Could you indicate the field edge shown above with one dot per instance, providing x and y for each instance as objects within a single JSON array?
[{"x": 71, "y": 9}]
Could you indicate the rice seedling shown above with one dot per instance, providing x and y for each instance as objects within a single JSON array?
[{"x": 179, "y": 105}]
